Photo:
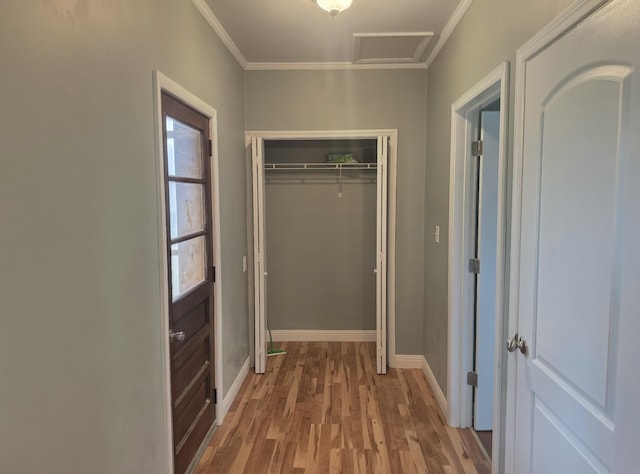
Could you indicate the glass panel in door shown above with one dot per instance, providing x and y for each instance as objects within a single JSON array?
[
  {"x": 184, "y": 150},
  {"x": 188, "y": 265},
  {"x": 186, "y": 208}
]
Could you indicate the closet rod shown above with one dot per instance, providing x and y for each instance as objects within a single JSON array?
[{"x": 319, "y": 166}]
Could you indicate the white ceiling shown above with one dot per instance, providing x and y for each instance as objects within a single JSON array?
[{"x": 290, "y": 34}]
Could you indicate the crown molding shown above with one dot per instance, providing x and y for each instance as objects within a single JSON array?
[
  {"x": 215, "y": 24},
  {"x": 451, "y": 25},
  {"x": 311, "y": 66},
  {"x": 213, "y": 21}
]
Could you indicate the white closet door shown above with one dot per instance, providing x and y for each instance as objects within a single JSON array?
[
  {"x": 381, "y": 257},
  {"x": 259, "y": 247}
]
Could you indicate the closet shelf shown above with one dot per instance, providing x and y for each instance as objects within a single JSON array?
[{"x": 318, "y": 166}]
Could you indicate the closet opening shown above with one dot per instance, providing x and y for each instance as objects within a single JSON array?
[{"x": 321, "y": 227}]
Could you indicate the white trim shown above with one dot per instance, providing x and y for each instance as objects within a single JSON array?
[
  {"x": 317, "y": 134},
  {"x": 392, "y": 198},
  {"x": 414, "y": 58},
  {"x": 260, "y": 274},
  {"x": 163, "y": 283},
  {"x": 407, "y": 361},
  {"x": 193, "y": 465},
  {"x": 451, "y": 25},
  {"x": 460, "y": 298},
  {"x": 382, "y": 231},
  {"x": 563, "y": 23},
  {"x": 435, "y": 387},
  {"x": 213, "y": 21},
  {"x": 392, "y": 205},
  {"x": 163, "y": 83},
  {"x": 339, "y": 66},
  {"x": 282, "y": 335},
  {"x": 406, "y": 34},
  {"x": 574, "y": 14},
  {"x": 232, "y": 393}
]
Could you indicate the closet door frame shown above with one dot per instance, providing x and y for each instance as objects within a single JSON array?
[
  {"x": 259, "y": 254},
  {"x": 254, "y": 142},
  {"x": 381, "y": 253}
]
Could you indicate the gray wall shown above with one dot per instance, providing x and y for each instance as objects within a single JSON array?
[
  {"x": 362, "y": 99},
  {"x": 321, "y": 252},
  {"x": 321, "y": 239},
  {"x": 488, "y": 35},
  {"x": 80, "y": 366}
]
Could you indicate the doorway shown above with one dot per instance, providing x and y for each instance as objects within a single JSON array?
[
  {"x": 190, "y": 275},
  {"x": 189, "y": 237},
  {"x": 383, "y": 268},
  {"x": 477, "y": 236},
  {"x": 485, "y": 160}
]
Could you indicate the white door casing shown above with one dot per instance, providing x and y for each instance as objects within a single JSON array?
[
  {"x": 381, "y": 256},
  {"x": 486, "y": 279},
  {"x": 576, "y": 227},
  {"x": 385, "y": 239},
  {"x": 163, "y": 83},
  {"x": 259, "y": 247},
  {"x": 464, "y": 113}
]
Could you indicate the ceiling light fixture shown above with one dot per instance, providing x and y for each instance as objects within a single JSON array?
[{"x": 333, "y": 7}]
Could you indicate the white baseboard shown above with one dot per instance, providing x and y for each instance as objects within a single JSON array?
[
  {"x": 404, "y": 361},
  {"x": 437, "y": 391},
  {"x": 229, "y": 397},
  {"x": 323, "y": 335},
  {"x": 419, "y": 362}
]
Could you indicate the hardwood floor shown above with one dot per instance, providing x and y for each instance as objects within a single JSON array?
[
  {"x": 485, "y": 440},
  {"x": 321, "y": 408}
]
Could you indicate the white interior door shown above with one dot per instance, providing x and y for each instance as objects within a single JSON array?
[
  {"x": 381, "y": 256},
  {"x": 486, "y": 279},
  {"x": 259, "y": 247},
  {"x": 576, "y": 288}
]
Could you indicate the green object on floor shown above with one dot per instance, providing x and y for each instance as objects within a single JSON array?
[{"x": 272, "y": 351}]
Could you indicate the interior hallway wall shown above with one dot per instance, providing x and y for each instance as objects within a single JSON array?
[
  {"x": 80, "y": 340},
  {"x": 352, "y": 100},
  {"x": 489, "y": 34}
]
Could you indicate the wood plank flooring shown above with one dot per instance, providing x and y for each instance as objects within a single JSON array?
[{"x": 321, "y": 408}]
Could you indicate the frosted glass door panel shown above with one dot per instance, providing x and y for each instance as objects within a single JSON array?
[
  {"x": 186, "y": 208},
  {"x": 184, "y": 150},
  {"x": 188, "y": 262}
]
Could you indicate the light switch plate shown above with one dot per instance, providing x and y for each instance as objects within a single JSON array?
[
  {"x": 437, "y": 234},
  {"x": 244, "y": 263}
]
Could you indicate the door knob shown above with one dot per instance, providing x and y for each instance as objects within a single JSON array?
[
  {"x": 517, "y": 342},
  {"x": 176, "y": 336},
  {"x": 522, "y": 345}
]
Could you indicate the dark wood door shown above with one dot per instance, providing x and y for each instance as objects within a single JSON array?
[{"x": 191, "y": 275}]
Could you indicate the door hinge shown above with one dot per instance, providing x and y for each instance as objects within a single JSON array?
[
  {"x": 476, "y": 148},
  {"x": 210, "y": 147},
  {"x": 215, "y": 395},
  {"x": 472, "y": 379},
  {"x": 213, "y": 274},
  {"x": 474, "y": 265}
]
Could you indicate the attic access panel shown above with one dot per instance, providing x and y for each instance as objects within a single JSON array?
[{"x": 371, "y": 48}]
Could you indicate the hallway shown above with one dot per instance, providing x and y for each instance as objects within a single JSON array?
[{"x": 322, "y": 408}]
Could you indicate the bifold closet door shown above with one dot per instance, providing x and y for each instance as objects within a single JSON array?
[
  {"x": 381, "y": 256},
  {"x": 259, "y": 247},
  {"x": 260, "y": 261}
]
